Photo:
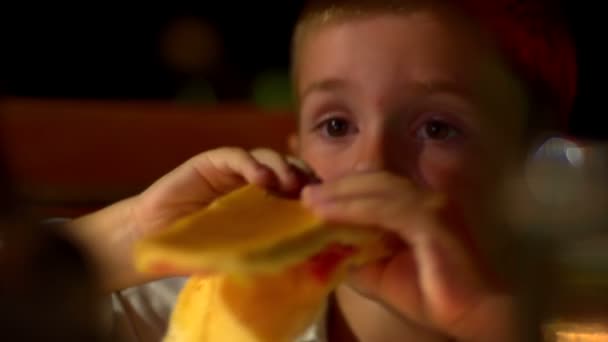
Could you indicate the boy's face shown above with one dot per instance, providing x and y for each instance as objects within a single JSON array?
[{"x": 418, "y": 94}]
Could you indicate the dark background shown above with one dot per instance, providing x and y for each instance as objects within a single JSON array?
[{"x": 115, "y": 51}]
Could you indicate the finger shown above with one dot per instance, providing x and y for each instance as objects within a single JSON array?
[
  {"x": 389, "y": 209},
  {"x": 284, "y": 172},
  {"x": 202, "y": 179},
  {"x": 206, "y": 176},
  {"x": 435, "y": 272},
  {"x": 222, "y": 167},
  {"x": 449, "y": 278},
  {"x": 360, "y": 185},
  {"x": 305, "y": 174},
  {"x": 392, "y": 280}
]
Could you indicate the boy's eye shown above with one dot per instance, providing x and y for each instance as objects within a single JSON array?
[
  {"x": 437, "y": 130},
  {"x": 336, "y": 127}
]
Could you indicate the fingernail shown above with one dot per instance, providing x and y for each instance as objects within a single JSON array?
[{"x": 298, "y": 164}]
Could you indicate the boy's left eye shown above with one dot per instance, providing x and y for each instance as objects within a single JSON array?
[
  {"x": 437, "y": 130},
  {"x": 336, "y": 127}
]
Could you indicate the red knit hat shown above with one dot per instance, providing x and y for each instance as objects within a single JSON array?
[{"x": 536, "y": 41}]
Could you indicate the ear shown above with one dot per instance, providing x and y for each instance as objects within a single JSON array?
[{"x": 293, "y": 144}]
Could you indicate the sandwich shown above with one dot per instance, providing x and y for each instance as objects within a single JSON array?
[{"x": 262, "y": 266}]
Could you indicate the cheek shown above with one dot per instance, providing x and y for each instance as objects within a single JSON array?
[
  {"x": 470, "y": 182},
  {"x": 458, "y": 176},
  {"x": 444, "y": 173}
]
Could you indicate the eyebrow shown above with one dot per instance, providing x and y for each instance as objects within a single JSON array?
[
  {"x": 425, "y": 88},
  {"x": 444, "y": 87},
  {"x": 328, "y": 85}
]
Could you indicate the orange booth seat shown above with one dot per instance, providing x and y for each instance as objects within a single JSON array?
[{"x": 67, "y": 157}]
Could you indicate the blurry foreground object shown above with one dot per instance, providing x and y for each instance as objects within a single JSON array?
[
  {"x": 559, "y": 213},
  {"x": 47, "y": 290}
]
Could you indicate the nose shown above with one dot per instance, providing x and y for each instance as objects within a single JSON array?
[
  {"x": 376, "y": 151},
  {"x": 387, "y": 148}
]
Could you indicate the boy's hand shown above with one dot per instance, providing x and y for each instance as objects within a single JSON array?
[
  {"x": 207, "y": 176},
  {"x": 433, "y": 279},
  {"x": 108, "y": 235}
]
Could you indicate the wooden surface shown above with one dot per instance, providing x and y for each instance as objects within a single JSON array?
[{"x": 72, "y": 155}]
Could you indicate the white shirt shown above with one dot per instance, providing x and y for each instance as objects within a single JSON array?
[{"x": 141, "y": 314}]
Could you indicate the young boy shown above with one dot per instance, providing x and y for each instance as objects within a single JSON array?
[{"x": 402, "y": 105}]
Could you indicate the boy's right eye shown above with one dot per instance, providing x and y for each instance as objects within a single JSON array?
[{"x": 336, "y": 127}]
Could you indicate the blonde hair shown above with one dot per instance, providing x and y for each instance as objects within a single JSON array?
[
  {"x": 531, "y": 35},
  {"x": 321, "y": 13}
]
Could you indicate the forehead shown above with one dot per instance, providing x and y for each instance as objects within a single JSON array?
[
  {"x": 384, "y": 54},
  {"x": 416, "y": 44},
  {"x": 388, "y": 62}
]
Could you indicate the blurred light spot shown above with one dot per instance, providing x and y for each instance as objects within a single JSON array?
[
  {"x": 554, "y": 149},
  {"x": 552, "y": 174},
  {"x": 577, "y": 332},
  {"x": 575, "y": 156},
  {"x": 560, "y": 150},
  {"x": 272, "y": 89},
  {"x": 582, "y": 337},
  {"x": 197, "y": 92},
  {"x": 190, "y": 45}
]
